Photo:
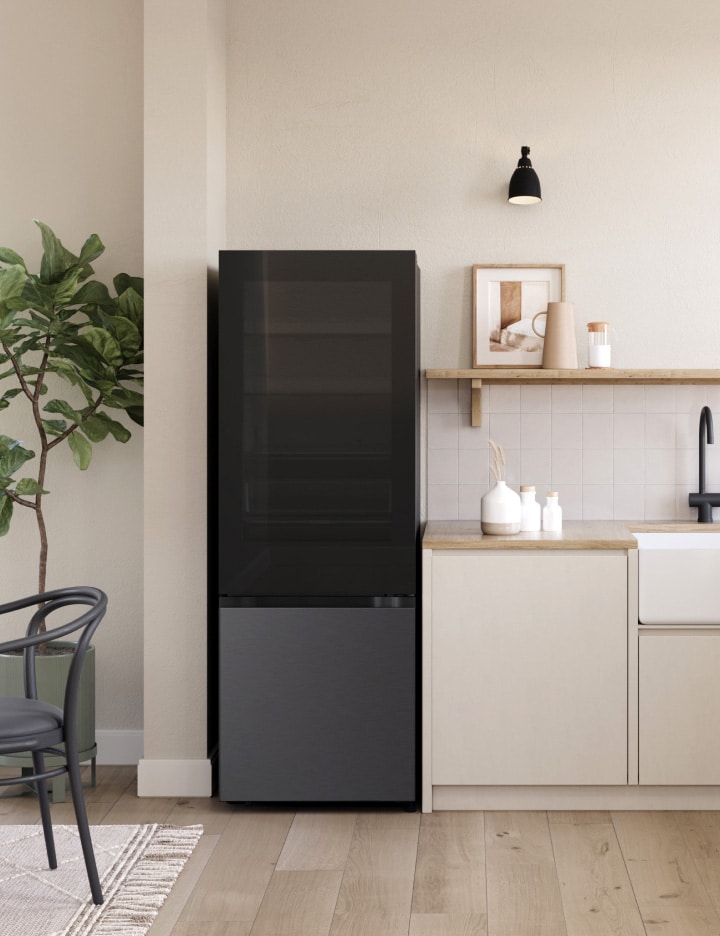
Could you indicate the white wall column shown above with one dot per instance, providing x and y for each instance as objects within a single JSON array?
[{"x": 184, "y": 228}]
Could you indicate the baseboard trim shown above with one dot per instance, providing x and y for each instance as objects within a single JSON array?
[
  {"x": 119, "y": 747},
  {"x": 174, "y": 777},
  {"x": 574, "y": 797}
]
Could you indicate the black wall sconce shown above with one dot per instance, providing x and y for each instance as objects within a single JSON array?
[{"x": 524, "y": 185}]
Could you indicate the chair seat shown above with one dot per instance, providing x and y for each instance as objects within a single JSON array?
[{"x": 29, "y": 719}]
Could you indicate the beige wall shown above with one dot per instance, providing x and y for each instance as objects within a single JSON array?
[
  {"x": 397, "y": 124},
  {"x": 72, "y": 157}
]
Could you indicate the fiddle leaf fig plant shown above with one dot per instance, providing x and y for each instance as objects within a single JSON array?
[{"x": 72, "y": 353}]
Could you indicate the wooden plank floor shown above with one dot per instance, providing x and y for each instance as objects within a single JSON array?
[{"x": 261, "y": 871}]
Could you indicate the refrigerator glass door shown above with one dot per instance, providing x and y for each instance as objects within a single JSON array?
[{"x": 317, "y": 416}]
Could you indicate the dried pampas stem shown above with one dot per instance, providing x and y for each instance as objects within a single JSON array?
[{"x": 498, "y": 466}]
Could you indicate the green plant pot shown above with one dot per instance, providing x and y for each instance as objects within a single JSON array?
[{"x": 52, "y": 672}]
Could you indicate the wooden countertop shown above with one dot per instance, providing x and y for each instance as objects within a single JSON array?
[{"x": 576, "y": 534}]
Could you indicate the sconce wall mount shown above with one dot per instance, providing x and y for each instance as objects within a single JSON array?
[{"x": 524, "y": 186}]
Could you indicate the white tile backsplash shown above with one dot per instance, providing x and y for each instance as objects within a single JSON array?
[
  {"x": 469, "y": 498},
  {"x": 566, "y": 399},
  {"x": 660, "y": 501},
  {"x": 597, "y": 466},
  {"x": 686, "y": 468},
  {"x": 473, "y": 437},
  {"x": 629, "y": 431},
  {"x": 625, "y": 451},
  {"x": 443, "y": 430},
  {"x": 442, "y": 466},
  {"x": 505, "y": 429},
  {"x": 443, "y": 502},
  {"x": 443, "y": 396},
  {"x": 513, "y": 467},
  {"x": 535, "y": 468},
  {"x": 660, "y": 430},
  {"x": 504, "y": 399},
  {"x": 474, "y": 466},
  {"x": 570, "y": 499},
  {"x": 566, "y": 431},
  {"x": 566, "y": 466},
  {"x": 691, "y": 399},
  {"x": 597, "y": 430},
  {"x": 660, "y": 399},
  {"x": 628, "y": 502},
  {"x": 660, "y": 466},
  {"x": 628, "y": 466},
  {"x": 535, "y": 430},
  {"x": 712, "y": 398},
  {"x": 597, "y": 399},
  {"x": 629, "y": 399},
  {"x": 535, "y": 399},
  {"x": 597, "y": 502}
]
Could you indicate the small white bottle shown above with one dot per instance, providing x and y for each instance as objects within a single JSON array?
[
  {"x": 552, "y": 513},
  {"x": 529, "y": 510}
]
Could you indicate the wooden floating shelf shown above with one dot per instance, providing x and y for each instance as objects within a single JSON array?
[{"x": 535, "y": 375}]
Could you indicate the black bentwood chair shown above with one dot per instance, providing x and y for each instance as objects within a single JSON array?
[{"x": 28, "y": 725}]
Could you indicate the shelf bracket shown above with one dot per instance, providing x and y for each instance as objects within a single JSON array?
[{"x": 476, "y": 402}]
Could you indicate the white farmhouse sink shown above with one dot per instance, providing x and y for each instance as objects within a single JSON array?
[{"x": 679, "y": 577}]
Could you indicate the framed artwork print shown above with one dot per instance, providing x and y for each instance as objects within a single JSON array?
[{"x": 505, "y": 300}]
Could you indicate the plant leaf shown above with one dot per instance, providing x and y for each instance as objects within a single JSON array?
[
  {"x": 122, "y": 281},
  {"x": 67, "y": 287},
  {"x": 81, "y": 449},
  {"x": 12, "y": 456},
  {"x": 9, "y": 395},
  {"x": 6, "y": 512},
  {"x": 29, "y": 486},
  {"x": 54, "y": 427},
  {"x": 60, "y": 406},
  {"x": 91, "y": 249},
  {"x": 104, "y": 343},
  {"x": 56, "y": 259},
  {"x": 12, "y": 281},
  {"x": 131, "y": 306},
  {"x": 137, "y": 414},
  {"x": 97, "y": 426},
  {"x": 9, "y": 256},
  {"x": 92, "y": 292}
]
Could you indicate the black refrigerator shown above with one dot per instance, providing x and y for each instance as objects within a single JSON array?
[{"x": 317, "y": 500}]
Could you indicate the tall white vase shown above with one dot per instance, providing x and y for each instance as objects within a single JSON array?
[{"x": 500, "y": 511}]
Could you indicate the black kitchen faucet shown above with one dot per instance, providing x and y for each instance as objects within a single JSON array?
[{"x": 704, "y": 500}]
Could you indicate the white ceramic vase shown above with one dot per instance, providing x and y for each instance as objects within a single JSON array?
[{"x": 500, "y": 511}]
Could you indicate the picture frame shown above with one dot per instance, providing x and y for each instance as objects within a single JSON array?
[{"x": 506, "y": 297}]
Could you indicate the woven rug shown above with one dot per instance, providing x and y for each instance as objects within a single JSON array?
[{"x": 138, "y": 866}]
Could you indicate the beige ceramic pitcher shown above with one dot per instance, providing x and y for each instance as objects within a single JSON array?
[{"x": 560, "y": 346}]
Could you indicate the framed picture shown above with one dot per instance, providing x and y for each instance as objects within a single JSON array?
[{"x": 505, "y": 300}]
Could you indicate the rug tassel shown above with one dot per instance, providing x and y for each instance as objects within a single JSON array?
[{"x": 145, "y": 888}]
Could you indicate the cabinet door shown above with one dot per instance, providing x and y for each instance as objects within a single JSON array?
[
  {"x": 529, "y": 669},
  {"x": 679, "y": 707}
]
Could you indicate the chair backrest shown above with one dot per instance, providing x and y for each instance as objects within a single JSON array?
[{"x": 86, "y": 623}]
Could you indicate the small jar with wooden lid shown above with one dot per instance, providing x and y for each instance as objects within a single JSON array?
[{"x": 598, "y": 344}]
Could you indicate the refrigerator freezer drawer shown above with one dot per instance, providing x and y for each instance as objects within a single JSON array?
[{"x": 317, "y": 704}]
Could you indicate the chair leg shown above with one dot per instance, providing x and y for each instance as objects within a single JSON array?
[
  {"x": 44, "y": 800},
  {"x": 82, "y": 822}
]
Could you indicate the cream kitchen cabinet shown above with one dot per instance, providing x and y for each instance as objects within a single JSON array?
[
  {"x": 540, "y": 688},
  {"x": 529, "y": 668},
  {"x": 679, "y": 706},
  {"x": 525, "y": 662}
]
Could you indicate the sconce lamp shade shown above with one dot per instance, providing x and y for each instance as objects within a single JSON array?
[{"x": 524, "y": 185}]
